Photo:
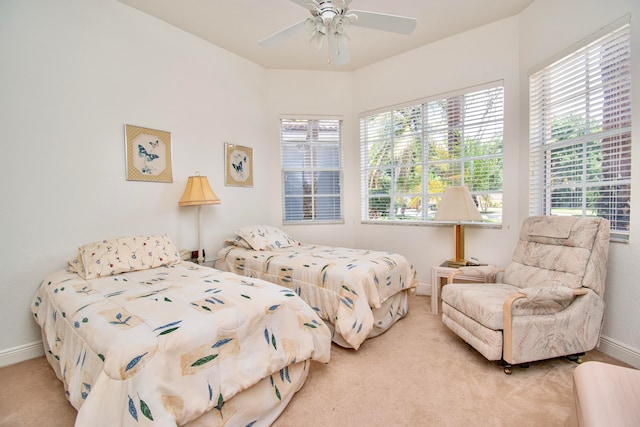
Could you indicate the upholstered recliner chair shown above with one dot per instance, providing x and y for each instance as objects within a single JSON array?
[{"x": 550, "y": 302}]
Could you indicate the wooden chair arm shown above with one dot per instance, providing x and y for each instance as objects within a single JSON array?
[
  {"x": 507, "y": 332},
  {"x": 452, "y": 275}
]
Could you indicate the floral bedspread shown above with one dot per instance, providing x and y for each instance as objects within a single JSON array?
[
  {"x": 342, "y": 285},
  {"x": 162, "y": 346}
]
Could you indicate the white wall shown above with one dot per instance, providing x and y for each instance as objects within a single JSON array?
[
  {"x": 73, "y": 72},
  {"x": 547, "y": 28},
  {"x": 309, "y": 94}
]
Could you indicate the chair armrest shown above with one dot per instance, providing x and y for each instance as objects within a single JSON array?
[
  {"x": 489, "y": 272},
  {"x": 551, "y": 293},
  {"x": 507, "y": 311}
]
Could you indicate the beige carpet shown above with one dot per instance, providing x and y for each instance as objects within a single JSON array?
[{"x": 417, "y": 374}]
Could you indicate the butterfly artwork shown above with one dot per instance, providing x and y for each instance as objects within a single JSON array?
[
  {"x": 238, "y": 166},
  {"x": 149, "y": 157},
  {"x": 148, "y": 154}
]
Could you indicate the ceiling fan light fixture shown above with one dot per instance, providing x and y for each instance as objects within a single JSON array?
[
  {"x": 327, "y": 17},
  {"x": 340, "y": 24},
  {"x": 317, "y": 30},
  {"x": 314, "y": 25}
]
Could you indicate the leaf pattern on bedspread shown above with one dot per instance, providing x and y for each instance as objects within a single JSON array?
[
  {"x": 144, "y": 408},
  {"x": 168, "y": 328},
  {"x": 220, "y": 403},
  {"x": 203, "y": 360},
  {"x": 133, "y": 362},
  {"x": 132, "y": 409},
  {"x": 147, "y": 346},
  {"x": 346, "y": 287}
]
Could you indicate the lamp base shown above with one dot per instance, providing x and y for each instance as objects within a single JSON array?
[
  {"x": 456, "y": 263},
  {"x": 458, "y": 236}
]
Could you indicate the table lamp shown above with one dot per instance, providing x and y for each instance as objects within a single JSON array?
[
  {"x": 457, "y": 205},
  {"x": 198, "y": 193}
]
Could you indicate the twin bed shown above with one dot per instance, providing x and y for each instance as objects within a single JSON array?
[
  {"x": 139, "y": 337},
  {"x": 358, "y": 293}
]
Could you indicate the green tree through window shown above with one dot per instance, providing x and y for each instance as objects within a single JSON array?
[
  {"x": 580, "y": 133},
  {"x": 409, "y": 155}
]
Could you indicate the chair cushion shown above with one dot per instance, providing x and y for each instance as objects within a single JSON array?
[
  {"x": 535, "y": 264},
  {"x": 484, "y": 302},
  {"x": 558, "y": 227},
  {"x": 552, "y": 249},
  {"x": 560, "y": 231}
]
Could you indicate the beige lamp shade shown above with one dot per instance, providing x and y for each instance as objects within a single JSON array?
[
  {"x": 198, "y": 192},
  {"x": 457, "y": 205}
]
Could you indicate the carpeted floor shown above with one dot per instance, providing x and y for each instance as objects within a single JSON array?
[{"x": 417, "y": 374}]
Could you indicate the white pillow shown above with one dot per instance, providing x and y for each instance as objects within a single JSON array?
[
  {"x": 238, "y": 241},
  {"x": 265, "y": 237},
  {"x": 114, "y": 256}
]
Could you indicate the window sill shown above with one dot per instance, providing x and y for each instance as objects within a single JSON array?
[{"x": 496, "y": 226}]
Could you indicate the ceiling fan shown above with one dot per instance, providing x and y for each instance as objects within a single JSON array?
[{"x": 330, "y": 20}]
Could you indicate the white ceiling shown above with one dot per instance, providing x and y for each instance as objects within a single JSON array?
[{"x": 238, "y": 26}]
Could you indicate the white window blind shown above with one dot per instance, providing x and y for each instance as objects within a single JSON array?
[
  {"x": 311, "y": 169},
  {"x": 409, "y": 155},
  {"x": 580, "y": 133}
]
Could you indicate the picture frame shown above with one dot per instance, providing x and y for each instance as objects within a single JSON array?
[
  {"x": 148, "y": 153},
  {"x": 238, "y": 165}
]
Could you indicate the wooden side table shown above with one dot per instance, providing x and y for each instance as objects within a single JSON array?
[{"x": 442, "y": 271}]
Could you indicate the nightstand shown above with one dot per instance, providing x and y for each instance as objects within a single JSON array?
[{"x": 440, "y": 275}]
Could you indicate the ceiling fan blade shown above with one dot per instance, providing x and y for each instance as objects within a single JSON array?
[
  {"x": 307, "y": 4},
  {"x": 302, "y": 3},
  {"x": 341, "y": 4},
  {"x": 384, "y": 22},
  {"x": 284, "y": 34}
]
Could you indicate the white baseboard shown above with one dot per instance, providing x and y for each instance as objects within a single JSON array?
[
  {"x": 21, "y": 353},
  {"x": 423, "y": 289},
  {"x": 620, "y": 351}
]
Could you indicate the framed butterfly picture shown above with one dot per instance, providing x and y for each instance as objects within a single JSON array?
[
  {"x": 238, "y": 165},
  {"x": 148, "y": 154}
]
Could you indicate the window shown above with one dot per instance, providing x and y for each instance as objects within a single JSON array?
[
  {"x": 409, "y": 155},
  {"x": 580, "y": 133},
  {"x": 311, "y": 169}
]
